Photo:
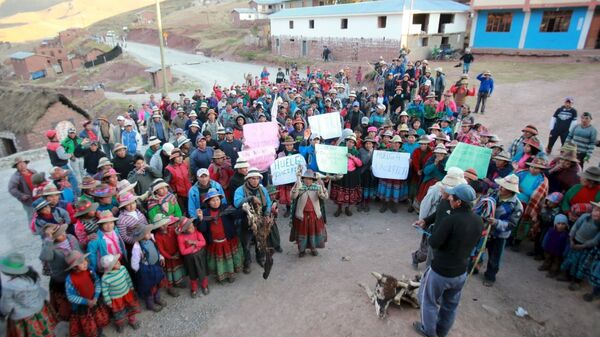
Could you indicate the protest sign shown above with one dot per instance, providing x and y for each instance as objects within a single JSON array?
[
  {"x": 390, "y": 165},
  {"x": 261, "y": 157},
  {"x": 326, "y": 125},
  {"x": 467, "y": 156},
  {"x": 283, "y": 170},
  {"x": 332, "y": 159},
  {"x": 258, "y": 135}
]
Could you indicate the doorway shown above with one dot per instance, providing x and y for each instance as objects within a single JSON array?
[
  {"x": 593, "y": 38},
  {"x": 304, "y": 48},
  {"x": 8, "y": 147}
]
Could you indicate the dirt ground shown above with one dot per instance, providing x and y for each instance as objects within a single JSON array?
[{"x": 319, "y": 296}]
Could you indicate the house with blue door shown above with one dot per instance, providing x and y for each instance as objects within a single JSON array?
[{"x": 535, "y": 24}]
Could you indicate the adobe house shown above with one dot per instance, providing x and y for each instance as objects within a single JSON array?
[
  {"x": 26, "y": 114},
  {"x": 157, "y": 78},
  {"x": 30, "y": 66}
]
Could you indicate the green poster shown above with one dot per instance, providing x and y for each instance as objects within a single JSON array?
[
  {"x": 467, "y": 156},
  {"x": 332, "y": 159}
]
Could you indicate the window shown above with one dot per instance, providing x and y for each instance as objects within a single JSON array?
[
  {"x": 556, "y": 21},
  {"x": 381, "y": 21},
  {"x": 344, "y": 24},
  {"x": 421, "y": 19},
  {"x": 445, "y": 19},
  {"x": 499, "y": 22},
  {"x": 424, "y": 42},
  {"x": 291, "y": 24},
  {"x": 311, "y": 24}
]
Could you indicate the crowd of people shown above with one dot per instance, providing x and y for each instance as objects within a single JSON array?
[{"x": 118, "y": 221}]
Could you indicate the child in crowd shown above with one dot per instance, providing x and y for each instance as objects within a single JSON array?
[
  {"x": 191, "y": 246},
  {"x": 87, "y": 224},
  {"x": 550, "y": 209},
  {"x": 88, "y": 315},
  {"x": 146, "y": 262},
  {"x": 118, "y": 292},
  {"x": 555, "y": 244},
  {"x": 166, "y": 241},
  {"x": 162, "y": 201}
]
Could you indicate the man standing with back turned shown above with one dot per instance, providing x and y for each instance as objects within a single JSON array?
[{"x": 452, "y": 241}]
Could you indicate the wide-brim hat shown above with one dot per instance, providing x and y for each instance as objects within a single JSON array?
[
  {"x": 159, "y": 185},
  {"x": 442, "y": 138},
  {"x": 530, "y": 128},
  {"x": 162, "y": 220},
  {"x": 103, "y": 191},
  {"x": 154, "y": 141},
  {"x": 176, "y": 152},
  {"x": 111, "y": 172},
  {"x": 106, "y": 216},
  {"x": 19, "y": 160},
  {"x": 184, "y": 224},
  {"x": 57, "y": 173},
  {"x": 370, "y": 140},
  {"x": 440, "y": 148},
  {"x": 539, "y": 163},
  {"x": 241, "y": 164},
  {"x": 510, "y": 182},
  {"x": 533, "y": 142},
  {"x": 397, "y": 139},
  {"x": 253, "y": 173},
  {"x": 88, "y": 183},
  {"x": 435, "y": 127},
  {"x": 504, "y": 156},
  {"x": 288, "y": 141},
  {"x": 218, "y": 154},
  {"x": 471, "y": 173},
  {"x": 84, "y": 206},
  {"x": 108, "y": 261},
  {"x": 454, "y": 176},
  {"x": 591, "y": 173},
  {"x": 39, "y": 204},
  {"x": 211, "y": 194},
  {"x": 125, "y": 186},
  {"x": 570, "y": 156},
  {"x": 57, "y": 230},
  {"x": 424, "y": 140},
  {"x": 13, "y": 264},
  {"x": 75, "y": 258},
  {"x": 118, "y": 147},
  {"x": 103, "y": 162},
  {"x": 50, "y": 189},
  {"x": 127, "y": 199},
  {"x": 140, "y": 231},
  {"x": 351, "y": 137}
]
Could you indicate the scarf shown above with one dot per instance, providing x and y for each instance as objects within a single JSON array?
[
  {"x": 163, "y": 202},
  {"x": 83, "y": 283},
  {"x": 257, "y": 192}
]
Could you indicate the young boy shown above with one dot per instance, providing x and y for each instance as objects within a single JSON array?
[{"x": 555, "y": 243}]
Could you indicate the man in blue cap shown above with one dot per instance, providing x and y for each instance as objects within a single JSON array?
[{"x": 452, "y": 240}]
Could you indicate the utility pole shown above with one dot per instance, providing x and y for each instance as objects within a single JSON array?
[{"x": 165, "y": 91}]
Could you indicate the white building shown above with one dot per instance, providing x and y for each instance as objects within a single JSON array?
[
  {"x": 239, "y": 16},
  {"x": 352, "y": 30}
]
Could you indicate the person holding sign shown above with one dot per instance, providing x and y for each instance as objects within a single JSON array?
[
  {"x": 308, "y": 206},
  {"x": 392, "y": 191},
  {"x": 433, "y": 171},
  {"x": 285, "y": 191},
  {"x": 368, "y": 180},
  {"x": 348, "y": 190}
]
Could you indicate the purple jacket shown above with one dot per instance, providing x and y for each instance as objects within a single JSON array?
[{"x": 555, "y": 242}]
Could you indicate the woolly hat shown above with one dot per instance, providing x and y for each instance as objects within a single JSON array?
[{"x": 561, "y": 218}]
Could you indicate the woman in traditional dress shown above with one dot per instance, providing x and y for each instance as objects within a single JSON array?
[
  {"x": 179, "y": 179},
  {"x": 418, "y": 159},
  {"x": 162, "y": 201},
  {"x": 308, "y": 225},
  {"x": 348, "y": 190},
  {"x": 285, "y": 191},
  {"x": 225, "y": 257},
  {"x": 368, "y": 180},
  {"x": 392, "y": 191},
  {"x": 433, "y": 171}
]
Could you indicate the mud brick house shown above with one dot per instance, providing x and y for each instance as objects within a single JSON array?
[
  {"x": 535, "y": 24},
  {"x": 367, "y": 30},
  {"x": 26, "y": 114},
  {"x": 30, "y": 66}
]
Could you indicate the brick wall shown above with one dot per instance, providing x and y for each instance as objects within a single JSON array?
[
  {"x": 57, "y": 114},
  {"x": 342, "y": 49}
]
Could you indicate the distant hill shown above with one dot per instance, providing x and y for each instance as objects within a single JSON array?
[
  {"x": 26, "y": 20},
  {"x": 12, "y": 7}
]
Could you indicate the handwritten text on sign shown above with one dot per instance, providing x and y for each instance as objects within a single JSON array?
[
  {"x": 261, "y": 157},
  {"x": 261, "y": 135},
  {"x": 390, "y": 165},
  {"x": 332, "y": 159},
  {"x": 326, "y": 125},
  {"x": 283, "y": 170}
]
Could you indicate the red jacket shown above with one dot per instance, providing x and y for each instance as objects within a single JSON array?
[{"x": 180, "y": 181}]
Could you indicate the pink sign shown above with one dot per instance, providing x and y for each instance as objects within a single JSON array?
[
  {"x": 261, "y": 157},
  {"x": 258, "y": 135}
]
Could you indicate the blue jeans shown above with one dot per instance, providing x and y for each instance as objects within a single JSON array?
[
  {"x": 439, "y": 297},
  {"x": 495, "y": 247},
  {"x": 466, "y": 67}
]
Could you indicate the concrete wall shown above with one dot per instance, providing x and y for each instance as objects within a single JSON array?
[
  {"x": 497, "y": 3},
  {"x": 509, "y": 39},
  {"x": 557, "y": 40},
  {"x": 342, "y": 49},
  {"x": 363, "y": 26}
]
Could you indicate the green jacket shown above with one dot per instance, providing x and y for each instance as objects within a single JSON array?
[{"x": 70, "y": 144}]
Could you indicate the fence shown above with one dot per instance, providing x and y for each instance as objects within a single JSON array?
[{"x": 103, "y": 58}]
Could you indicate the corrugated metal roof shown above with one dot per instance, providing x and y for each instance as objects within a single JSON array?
[
  {"x": 371, "y": 7},
  {"x": 21, "y": 55},
  {"x": 244, "y": 10}
]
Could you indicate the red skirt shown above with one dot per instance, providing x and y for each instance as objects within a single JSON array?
[
  {"x": 59, "y": 301},
  {"x": 285, "y": 194},
  {"x": 125, "y": 307},
  {"x": 424, "y": 188},
  {"x": 86, "y": 321},
  {"x": 309, "y": 232},
  {"x": 41, "y": 324}
]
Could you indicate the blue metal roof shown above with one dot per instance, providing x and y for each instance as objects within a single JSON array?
[
  {"x": 21, "y": 55},
  {"x": 371, "y": 7}
]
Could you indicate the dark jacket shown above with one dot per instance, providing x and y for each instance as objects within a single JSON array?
[
  {"x": 17, "y": 187},
  {"x": 236, "y": 181},
  {"x": 231, "y": 149},
  {"x": 90, "y": 159},
  {"x": 123, "y": 165},
  {"x": 227, "y": 215},
  {"x": 453, "y": 239}
]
